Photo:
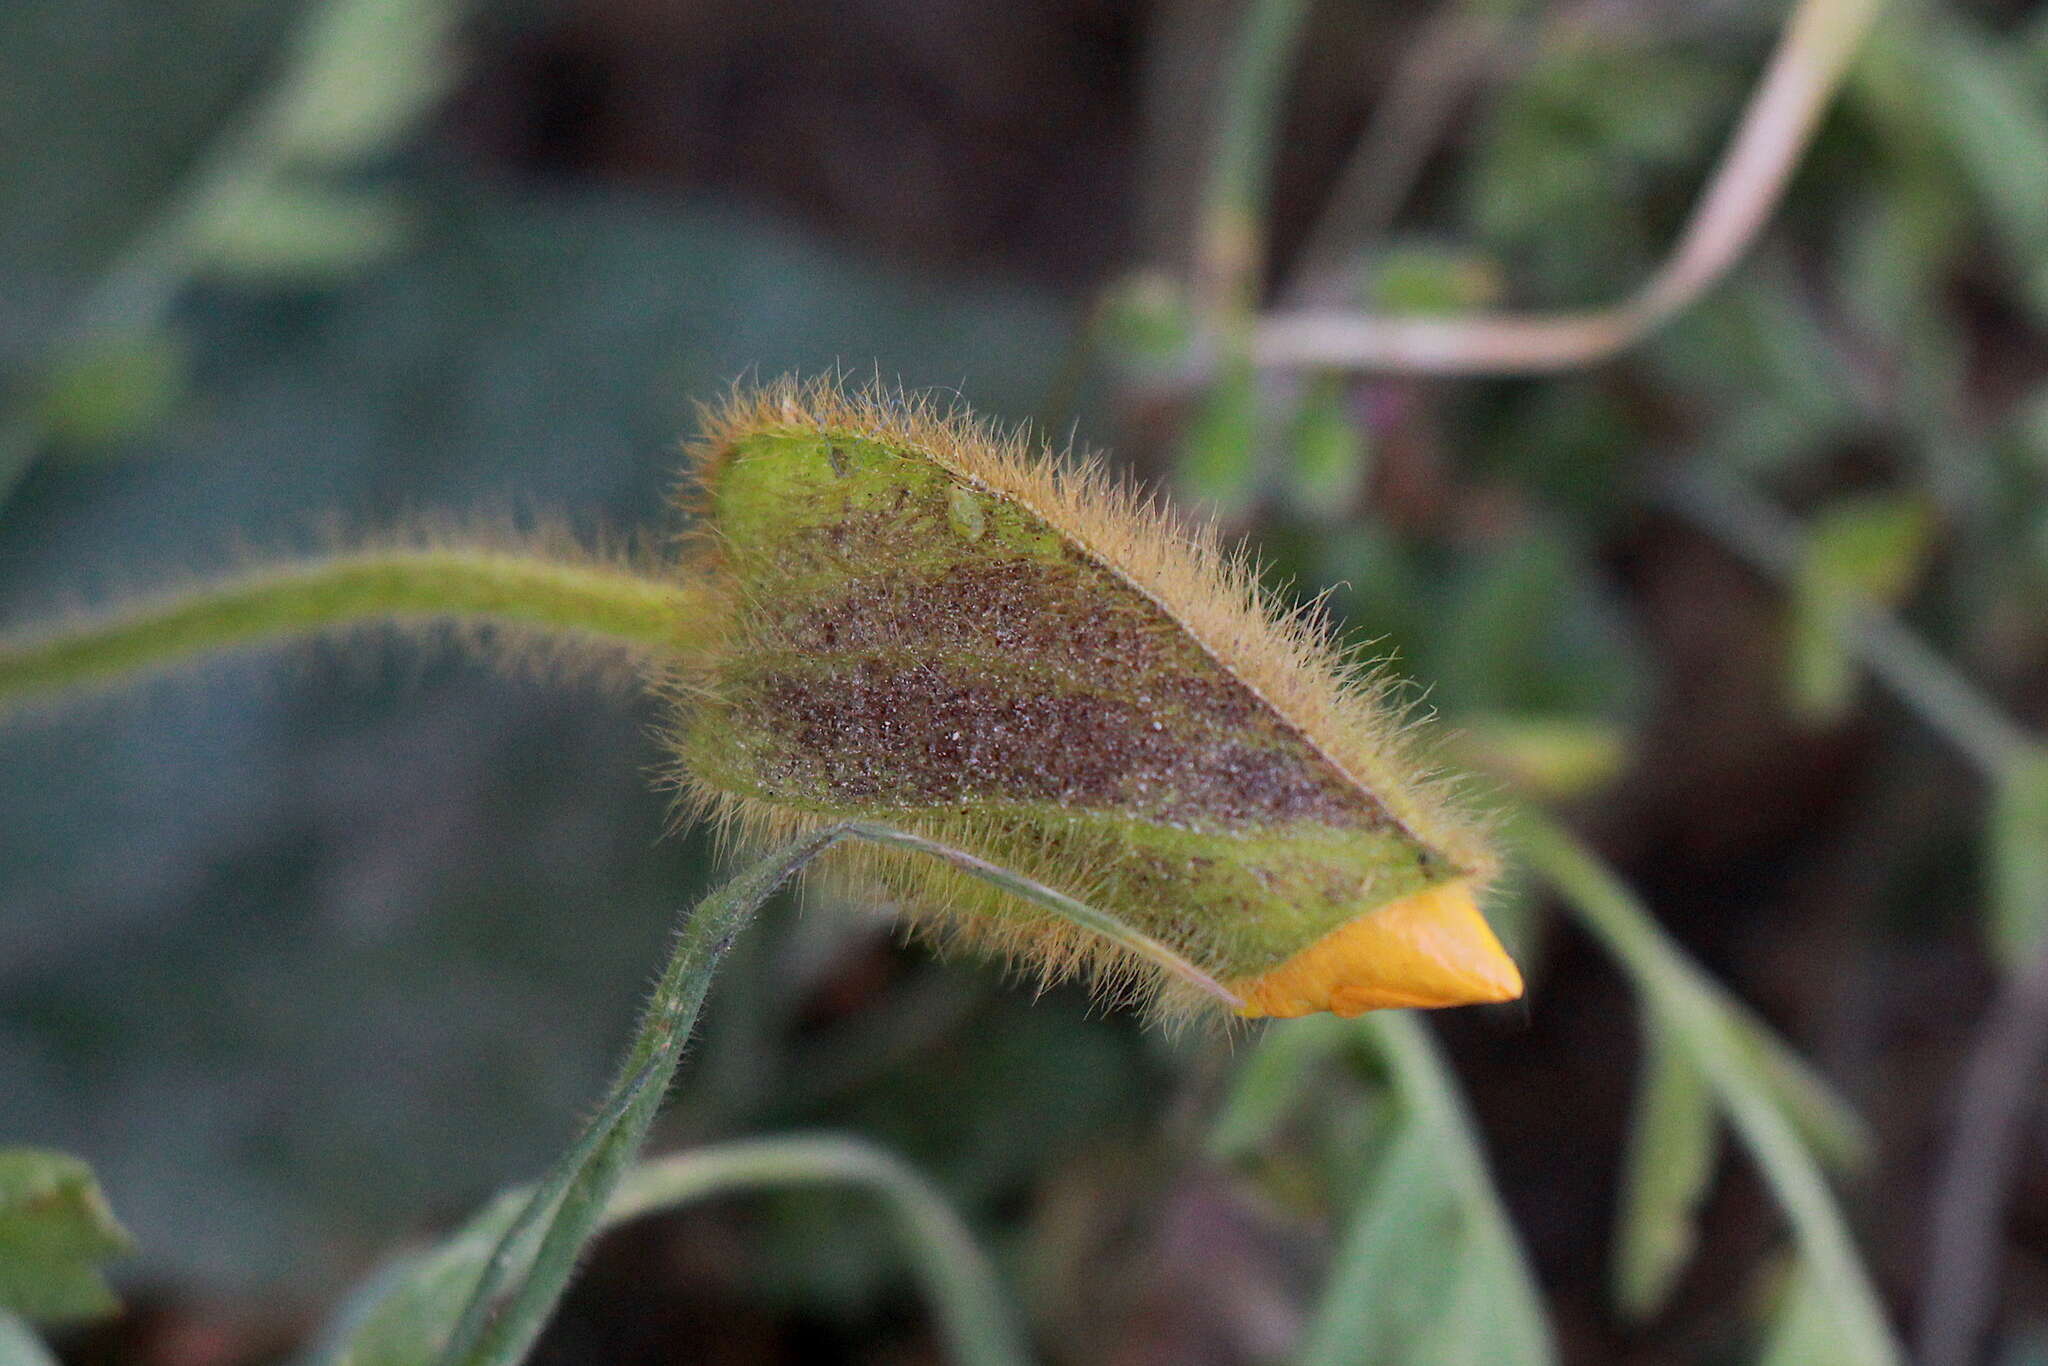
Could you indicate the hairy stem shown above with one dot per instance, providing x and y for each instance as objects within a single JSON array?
[
  {"x": 647, "y": 615},
  {"x": 507, "y": 1311}
]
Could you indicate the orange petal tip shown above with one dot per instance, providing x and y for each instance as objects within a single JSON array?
[{"x": 1430, "y": 948}]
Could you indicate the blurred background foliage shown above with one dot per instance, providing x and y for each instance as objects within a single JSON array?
[{"x": 308, "y": 954}]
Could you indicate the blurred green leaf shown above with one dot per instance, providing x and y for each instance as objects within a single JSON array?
[
  {"x": 2018, "y": 854},
  {"x": 1824, "y": 1121},
  {"x": 1562, "y": 162},
  {"x": 1269, "y": 1081},
  {"x": 1330, "y": 449},
  {"x": 301, "y": 231},
  {"x": 19, "y": 1345},
  {"x": 1429, "y": 1269},
  {"x": 1802, "y": 1333},
  {"x": 110, "y": 388},
  {"x": 365, "y": 70},
  {"x": 1865, "y": 548},
  {"x": 1748, "y": 1084},
  {"x": 1427, "y": 279},
  {"x": 1218, "y": 460},
  {"x": 402, "y": 1314},
  {"x": 1147, "y": 323},
  {"x": 55, "y": 1232},
  {"x": 1770, "y": 373},
  {"x": 1997, "y": 124},
  {"x": 1671, "y": 1146},
  {"x": 1548, "y": 757},
  {"x": 1526, "y": 626}
]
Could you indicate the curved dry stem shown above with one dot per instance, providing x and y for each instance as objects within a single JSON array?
[
  {"x": 1808, "y": 66},
  {"x": 605, "y": 603}
]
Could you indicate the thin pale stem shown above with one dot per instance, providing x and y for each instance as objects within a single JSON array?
[
  {"x": 1078, "y": 913},
  {"x": 646, "y": 615},
  {"x": 1811, "y": 59},
  {"x": 1436, "y": 77},
  {"x": 1231, "y": 237},
  {"x": 956, "y": 1274}
]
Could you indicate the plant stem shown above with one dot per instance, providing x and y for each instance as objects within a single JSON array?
[
  {"x": 1078, "y": 913},
  {"x": 499, "y": 1332},
  {"x": 507, "y": 1310},
  {"x": 647, "y": 615},
  {"x": 1699, "y": 1022},
  {"x": 1231, "y": 235}
]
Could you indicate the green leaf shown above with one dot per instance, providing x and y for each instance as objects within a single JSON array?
[
  {"x": 366, "y": 70},
  {"x": 111, "y": 387},
  {"x": 1331, "y": 451},
  {"x": 301, "y": 231},
  {"x": 1146, "y": 322},
  {"x": 1670, "y": 1161},
  {"x": 1269, "y": 1081},
  {"x": 1750, "y": 1085},
  {"x": 55, "y": 1231},
  {"x": 1838, "y": 1136},
  {"x": 1420, "y": 279},
  {"x": 1218, "y": 460},
  {"x": 1997, "y": 128},
  {"x": 1429, "y": 1269},
  {"x": 2018, "y": 834},
  {"x": 1859, "y": 549},
  {"x": 1551, "y": 757},
  {"x": 1802, "y": 1333}
]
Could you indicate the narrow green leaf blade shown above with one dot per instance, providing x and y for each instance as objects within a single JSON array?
[
  {"x": 1430, "y": 1269},
  {"x": 1670, "y": 1160},
  {"x": 1802, "y": 1330},
  {"x": 1859, "y": 549}
]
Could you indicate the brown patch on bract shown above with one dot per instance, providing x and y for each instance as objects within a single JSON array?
[
  {"x": 1285, "y": 656},
  {"x": 1076, "y": 748}
]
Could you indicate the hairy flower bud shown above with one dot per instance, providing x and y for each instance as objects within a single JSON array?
[{"x": 931, "y": 625}]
